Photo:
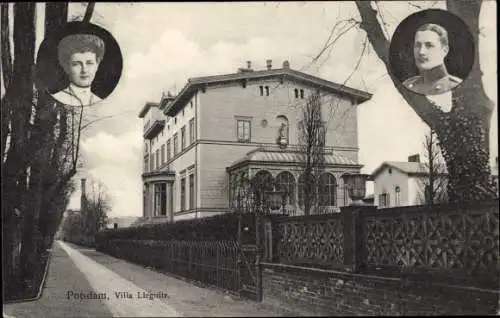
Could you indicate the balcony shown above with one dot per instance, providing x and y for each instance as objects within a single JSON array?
[
  {"x": 159, "y": 175},
  {"x": 151, "y": 130}
]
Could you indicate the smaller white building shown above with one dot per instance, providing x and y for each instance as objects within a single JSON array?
[{"x": 400, "y": 183}]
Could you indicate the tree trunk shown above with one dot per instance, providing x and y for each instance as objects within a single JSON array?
[
  {"x": 18, "y": 97},
  {"x": 40, "y": 143}
]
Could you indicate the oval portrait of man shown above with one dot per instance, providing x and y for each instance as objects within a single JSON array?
[
  {"x": 431, "y": 52},
  {"x": 80, "y": 65}
]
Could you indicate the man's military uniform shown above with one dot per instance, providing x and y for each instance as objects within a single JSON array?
[{"x": 439, "y": 86}]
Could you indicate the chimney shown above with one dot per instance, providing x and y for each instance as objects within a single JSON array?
[
  {"x": 83, "y": 195},
  {"x": 286, "y": 64},
  {"x": 83, "y": 185},
  {"x": 414, "y": 158},
  {"x": 245, "y": 70},
  {"x": 269, "y": 64}
]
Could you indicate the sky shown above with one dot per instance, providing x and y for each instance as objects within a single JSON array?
[{"x": 164, "y": 44}]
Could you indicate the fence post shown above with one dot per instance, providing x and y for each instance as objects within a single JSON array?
[
  {"x": 217, "y": 265},
  {"x": 268, "y": 240},
  {"x": 353, "y": 235},
  {"x": 190, "y": 260}
]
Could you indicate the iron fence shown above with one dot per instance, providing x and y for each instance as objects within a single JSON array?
[{"x": 209, "y": 262}]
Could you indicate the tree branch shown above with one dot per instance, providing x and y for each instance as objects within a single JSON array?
[
  {"x": 429, "y": 113},
  {"x": 88, "y": 12},
  {"x": 329, "y": 42}
]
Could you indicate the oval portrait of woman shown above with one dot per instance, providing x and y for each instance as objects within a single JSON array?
[
  {"x": 80, "y": 65},
  {"x": 431, "y": 52}
]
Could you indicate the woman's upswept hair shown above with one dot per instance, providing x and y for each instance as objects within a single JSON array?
[
  {"x": 79, "y": 43},
  {"x": 436, "y": 28}
]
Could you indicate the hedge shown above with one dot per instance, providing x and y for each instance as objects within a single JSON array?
[{"x": 222, "y": 227}]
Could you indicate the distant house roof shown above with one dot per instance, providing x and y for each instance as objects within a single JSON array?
[
  {"x": 278, "y": 156},
  {"x": 409, "y": 168},
  {"x": 196, "y": 83}
]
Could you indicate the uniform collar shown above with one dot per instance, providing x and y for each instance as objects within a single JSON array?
[{"x": 434, "y": 74}]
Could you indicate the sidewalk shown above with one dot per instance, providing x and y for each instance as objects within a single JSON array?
[
  {"x": 186, "y": 298},
  {"x": 62, "y": 276},
  {"x": 85, "y": 270}
]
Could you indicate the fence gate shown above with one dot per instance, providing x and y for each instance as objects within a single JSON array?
[{"x": 250, "y": 246}]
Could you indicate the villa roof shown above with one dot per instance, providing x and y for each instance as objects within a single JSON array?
[
  {"x": 196, "y": 83},
  {"x": 409, "y": 168},
  {"x": 279, "y": 156}
]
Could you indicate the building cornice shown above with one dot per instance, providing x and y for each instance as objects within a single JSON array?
[{"x": 201, "y": 83}]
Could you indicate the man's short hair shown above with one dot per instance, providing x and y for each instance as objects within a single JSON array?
[
  {"x": 79, "y": 43},
  {"x": 436, "y": 28}
]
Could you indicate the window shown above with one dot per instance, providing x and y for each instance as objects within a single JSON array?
[
  {"x": 346, "y": 194},
  {"x": 191, "y": 191},
  {"x": 286, "y": 182},
  {"x": 162, "y": 154},
  {"x": 327, "y": 190},
  {"x": 383, "y": 200},
  {"x": 263, "y": 183},
  {"x": 157, "y": 160},
  {"x": 267, "y": 90},
  {"x": 183, "y": 137},
  {"x": 192, "y": 135},
  {"x": 163, "y": 199},
  {"x": 243, "y": 130},
  {"x": 296, "y": 93},
  {"x": 183, "y": 194},
  {"x": 261, "y": 90},
  {"x": 301, "y": 93},
  {"x": 168, "y": 150},
  {"x": 151, "y": 162},
  {"x": 398, "y": 196},
  {"x": 157, "y": 201},
  {"x": 175, "y": 144}
]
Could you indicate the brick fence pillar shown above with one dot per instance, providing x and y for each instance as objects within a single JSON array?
[{"x": 353, "y": 235}]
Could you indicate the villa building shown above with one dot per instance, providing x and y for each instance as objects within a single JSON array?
[{"x": 246, "y": 123}]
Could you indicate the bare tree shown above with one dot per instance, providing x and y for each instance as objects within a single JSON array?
[
  {"x": 97, "y": 204},
  {"x": 463, "y": 133},
  {"x": 433, "y": 185},
  {"x": 311, "y": 151}
]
